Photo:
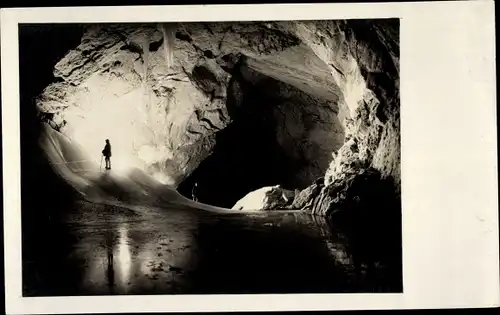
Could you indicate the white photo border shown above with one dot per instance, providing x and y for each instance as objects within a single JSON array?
[{"x": 448, "y": 160}]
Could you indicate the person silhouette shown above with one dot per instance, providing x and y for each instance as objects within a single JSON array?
[{"x": 106, "y": 152}]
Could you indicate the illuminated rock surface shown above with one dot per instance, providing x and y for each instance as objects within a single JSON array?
[{"x": 236, "y": 106}]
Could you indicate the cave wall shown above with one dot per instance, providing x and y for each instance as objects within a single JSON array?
[
  {"x": 306, "y": 128},
  {"x": 364, "y": 60},
  {"x": 289, "y": 102},
  {"x": 168, "y": 113},
  {"x": 119, "y": 74},
  {"x": 43, "y": 194},
  {"x": 279, "y": 135},
  {"x": 363, "y": 57}
]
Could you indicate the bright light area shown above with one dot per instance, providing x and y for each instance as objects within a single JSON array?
[
  {"x": 123, "y": 256},
  {"x": 253, "y": 200},
  {"x": 126, "y": 115},
  {"x": 163, "y": 178},
  {"x": 353, "y": 88}
]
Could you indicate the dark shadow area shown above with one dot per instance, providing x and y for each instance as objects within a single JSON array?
[
  {"x": 234, "y": 253},
  {"x": 35, "y": 71},
  {"x": 244, "y": 256},
  {"x": 370, "y": 216},
  {"x": 44, "y": 197},
  {"x": 241, "y": 256},
  {"x": 247, "y": 155},
  {"x": 110, "y": 238}
]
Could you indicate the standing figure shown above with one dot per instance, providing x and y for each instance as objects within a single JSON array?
[
  {"x": 106, "y": 152},
  {"x": 193, "y": 192}
]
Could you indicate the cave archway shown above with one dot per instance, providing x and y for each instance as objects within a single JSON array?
[
  {"x": 270, "y": 140},
  {"x": 232, "y": 122}
]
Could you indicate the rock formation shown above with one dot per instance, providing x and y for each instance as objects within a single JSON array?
[
  {"x": 363, "y": 58},
  {"x": 239, "y": 106},
  {"x": 305, "y": 199},
  {"x": 365, "y": 62},
  {"x": 266, "y": 198}
]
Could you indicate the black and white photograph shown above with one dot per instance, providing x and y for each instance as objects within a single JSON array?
[
  {"x": 204, "y": 158},
  {"x": 183, "y": 155}
]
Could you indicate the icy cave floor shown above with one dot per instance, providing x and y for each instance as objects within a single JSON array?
[
  {"x": 95, "y": 249},
  {"x": 129, "y": 234}
]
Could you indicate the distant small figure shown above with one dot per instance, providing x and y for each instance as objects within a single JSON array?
[
  {"x": 193, "y": 192},
  {"x": 106, "y": 152}
]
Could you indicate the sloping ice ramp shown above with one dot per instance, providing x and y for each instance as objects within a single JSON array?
[{"x": 89, "y": 179}]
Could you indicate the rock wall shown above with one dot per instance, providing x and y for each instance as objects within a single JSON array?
[
  {"x": 266, "y": 198},
  {"x": 280, "y": 135},
  {"x": 118, "y": 84},
  {"x": 306, "y": 127},
  {"x": 162, "y": 93},
  {"x": 327, "y": 93},
  {"x": 363, "y": 57}
]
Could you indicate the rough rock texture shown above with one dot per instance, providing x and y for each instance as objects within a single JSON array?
[
  {"x": 305, "y": 199},
  {"x": 266, "y": 198},
  {"x": 364, "y": 60},
  {"x": 306, "y": 126},
  {"x": 322, "y": 95},
  {"x": 169, "y": 89},
  {"x": 170, "y": 114}
]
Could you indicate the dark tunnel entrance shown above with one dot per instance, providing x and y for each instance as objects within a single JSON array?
[{"x": 246, "y": 157}]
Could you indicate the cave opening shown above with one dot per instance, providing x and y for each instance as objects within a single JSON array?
[
  {"x": 259, "y": 148},
  {"x": 280, "y": 132},
  {"x": 232, "y": 110},
  {"x": 244, "y": 158}
]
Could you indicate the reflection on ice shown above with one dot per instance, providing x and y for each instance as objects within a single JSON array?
[
  {"x": 131, "y": 253},
  {"x": 115, "y": 250},
  {"x": 124, "y": 258}
]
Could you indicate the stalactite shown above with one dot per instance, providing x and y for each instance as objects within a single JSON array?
[
  {"x": 168, "y": 31},
  {"x": 145, "y": 60}
]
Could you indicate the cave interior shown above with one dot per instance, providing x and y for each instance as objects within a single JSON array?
[{"x": 256, "y": 149}]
